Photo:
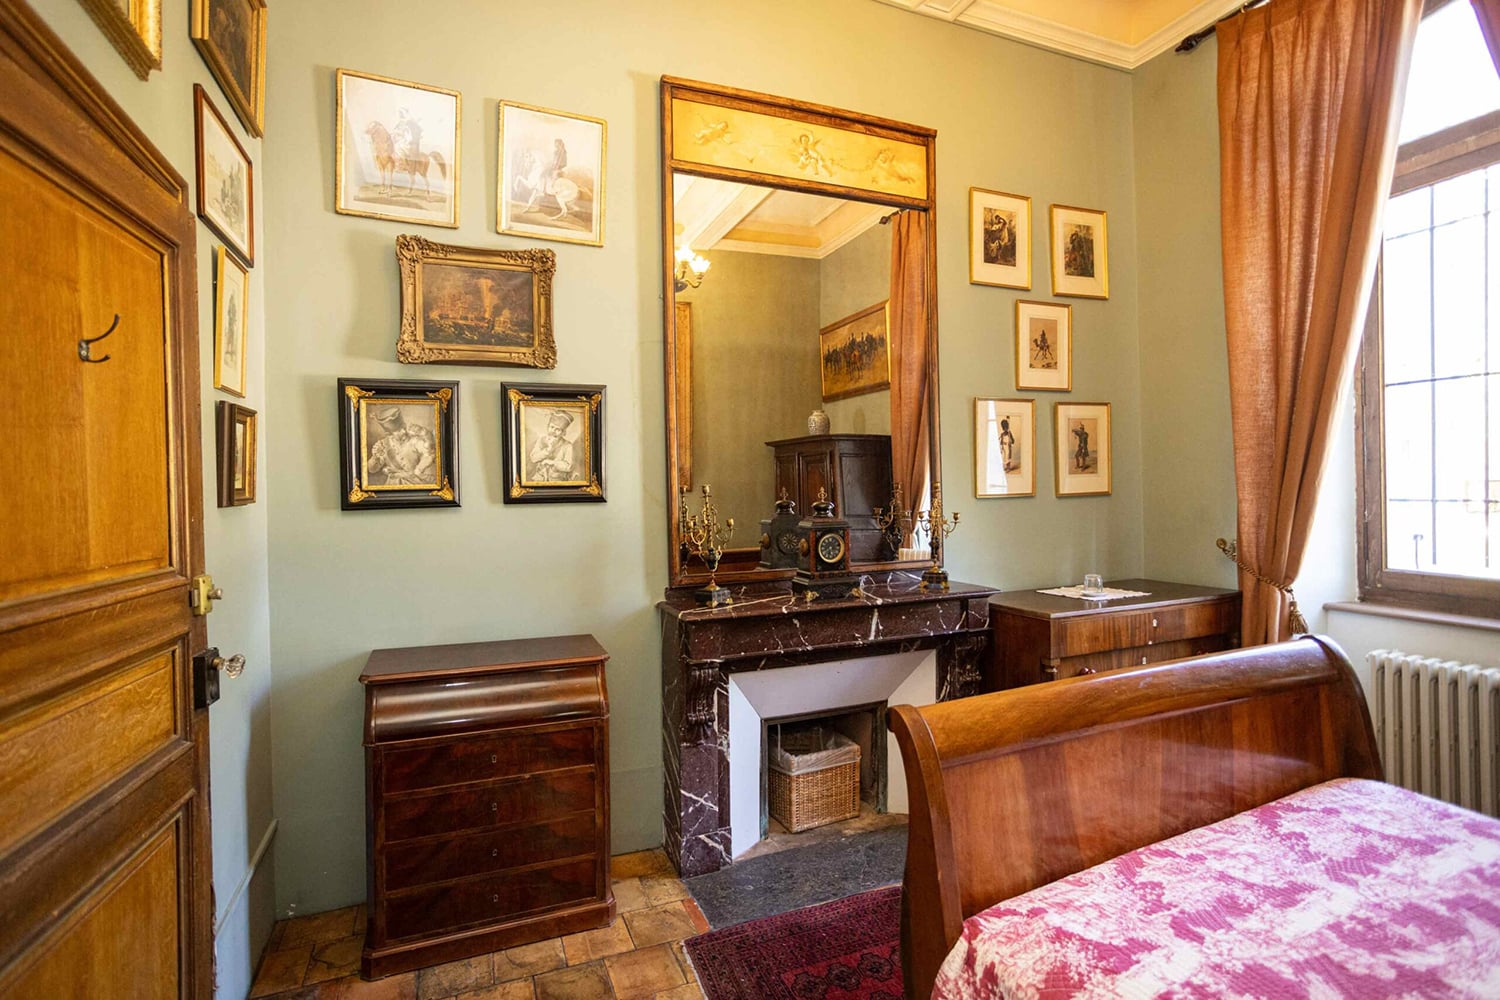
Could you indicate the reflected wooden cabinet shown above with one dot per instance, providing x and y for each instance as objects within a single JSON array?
[
  {"x": 855, "y": 469},
  {"x": 487, "y": 781}
]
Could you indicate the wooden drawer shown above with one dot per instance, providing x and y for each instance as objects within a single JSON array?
[
  {"x": 423, "y": 862},
  {"x": 535, "y": 797},
  {"x": 486, "y": 759},
  {"x": 1114, "y": 659},
  {"x": 488, "y": 899},
  {"x": 1127, "y": 629}
]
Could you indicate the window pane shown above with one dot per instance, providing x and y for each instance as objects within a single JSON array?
[
  {"x": 1452, "y": 78},
  {"x": 1460, "y": 197},
  {"x": 1458, "y": 289},
  {"x": 1407, "y": 306},
  {"x": 1408, "y": 441},
  {"x": 1460, "y": 547},
  {"x": 1408, "y": 535},
  {"x": 1459, "y": 447},
  {"x": 1412, "y": 211}
]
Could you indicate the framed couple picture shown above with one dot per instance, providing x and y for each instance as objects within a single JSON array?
[
  {"x": 235, "y": 430},
  {"x": 1004, "y": 447},
  {"x": 1044, "y": 345},
  {"x": 1083, "y": 460},
  {"x": 398, "y": 443},
  {"x": 551, "y": 181},
  {"x": 553, "y": 436},
  {"x": 1080, "y": 252},
  {"x": 999, "y": 239}
]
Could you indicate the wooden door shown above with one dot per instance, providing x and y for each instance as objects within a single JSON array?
[{"x": 104, "y": 846}]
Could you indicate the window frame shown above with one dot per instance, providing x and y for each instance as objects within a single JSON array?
[{"x": 1459, "y": 149}]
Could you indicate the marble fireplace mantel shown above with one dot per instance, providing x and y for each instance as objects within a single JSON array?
[{"x": 769, "y": 627}]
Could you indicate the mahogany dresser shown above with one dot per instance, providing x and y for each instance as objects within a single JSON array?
[
  {"x": 487, "y": 796},
  {"x": 1039, "y": 637}
]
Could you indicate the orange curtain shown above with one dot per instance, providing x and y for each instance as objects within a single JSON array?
[
  {"x": 911, "y": 356},
  {"x": 1309, "y": 103},
  {"x": 1488, "y": 14}
]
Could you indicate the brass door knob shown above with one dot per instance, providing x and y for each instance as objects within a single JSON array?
[{"x": 232, "y": 666}]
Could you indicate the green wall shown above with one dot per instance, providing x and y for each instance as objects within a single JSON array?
[{"x": 854, "y": 277}]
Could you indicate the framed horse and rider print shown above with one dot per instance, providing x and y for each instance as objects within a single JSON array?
[
  {"x": 397, "y": 150},
  {"x": 551, "y": 183}
]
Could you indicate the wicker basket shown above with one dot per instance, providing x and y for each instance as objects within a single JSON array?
[{"x": 813, "y": 778}]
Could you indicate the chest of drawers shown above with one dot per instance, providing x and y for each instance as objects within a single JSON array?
[
  {"x": 487, "y": 797},
  {"x": 1038, "y": 637}
]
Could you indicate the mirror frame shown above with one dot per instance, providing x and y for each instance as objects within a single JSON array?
[{"x": 675, "y": 89}]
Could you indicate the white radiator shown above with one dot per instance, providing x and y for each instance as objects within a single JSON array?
[{"x": 1437, "y": 723}]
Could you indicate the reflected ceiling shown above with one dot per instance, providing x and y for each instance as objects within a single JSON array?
[{"x": 713, "y": 214}]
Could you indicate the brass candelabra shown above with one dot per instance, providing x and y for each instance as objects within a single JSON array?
[
  {"x": 935, "y": 524},
  {"x": 895, "y": 522},
  {"x": 706, "y": 538}
]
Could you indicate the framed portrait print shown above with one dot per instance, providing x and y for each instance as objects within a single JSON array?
[
  {"x": 398, "y": 443},
  {"x": 231, "y": 37},
  {"x": 235, "y": 427},
  {"x": 1082, "y": 461},
  {"x": 396, "y": 154},
  {"x": 1044, "y": 345},
  {"x": 1004, "y": 447},
  {"x": 231, "y": 322},
  {"x": 1080, "y": 252},
  {"x": 226, "y": 179},
  {"x": 551, "y": 182},
  {"x": 999, "y": 239},
  {"x": 856, "y": 353},
  {"x": 133, "y": 27},
  {"x": 554, "y": 443},
  {"x": 470, "y": 306}
]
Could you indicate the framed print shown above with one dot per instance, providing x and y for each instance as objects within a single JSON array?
[
  {"x": 231, "y": 38},
  {"x": 856, "y": 353},
  {"x": 1082, "y": 460},
  {"x": 396, "y": 154},
  {"x": 554, "y": 443},
  {"x": 398, "y": 443},
  {"x": 1080, "y": 252},
  {"x": 1004, "y": 447},
  {"x": 235, "y": 427},
  {"x": 1044, "y": 346},
  {"x": 469, "y": 306},
  {"x": 133, "y": 27},
  {"x": 231, "y": 322},
  {"x": 551, "y": 183},
  {"x": 999, "y": 239},
  {"x": 226, "y": 179}
]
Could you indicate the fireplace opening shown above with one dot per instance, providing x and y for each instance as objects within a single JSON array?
[{"x": 806, "y": 742}]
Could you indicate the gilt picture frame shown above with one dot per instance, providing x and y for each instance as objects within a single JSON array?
[
  {"x": 855, "y": 353},
  {"x": 1083, "y": 459},
  {"x": 231, "y": 37},
  {"x": 231, "y": 322},
  {"x": 553, "y": 436},
  {"x": 1080, "y": 252},
  {"x": 1004, "y": 447},
  {"x": 226, "y": 179},
  {"x": 392, "y": 130},
  {"x": 398, "y": 443},
  {"x": 550, "y": 182},
  {"x": 474, "y": 306},
  {"x": 999, "y": 239},
  {"x": 133, "y": 27},
  {"x": 1044, "y": 345},
  {"x": 235, "y": 434}
]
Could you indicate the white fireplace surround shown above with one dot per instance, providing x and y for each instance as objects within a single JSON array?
[{"x": 899, "y": 679}]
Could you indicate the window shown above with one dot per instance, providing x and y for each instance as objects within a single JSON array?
[{"x": 1429, "y": 389}]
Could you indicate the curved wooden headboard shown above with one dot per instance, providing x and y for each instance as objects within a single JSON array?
[{"x": 1012, "y": 790}]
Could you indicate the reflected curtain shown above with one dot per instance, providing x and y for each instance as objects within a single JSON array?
[
  {"x": 1488, "y": 14},
  {"x": 1309, "y": 102},
  {"x": 911, "y": 356}
]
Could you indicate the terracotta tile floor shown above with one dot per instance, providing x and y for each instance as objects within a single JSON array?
[{"x": 638, "y": 956}]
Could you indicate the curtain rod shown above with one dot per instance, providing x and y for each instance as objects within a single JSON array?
[{"x": 1190, "y": 43}]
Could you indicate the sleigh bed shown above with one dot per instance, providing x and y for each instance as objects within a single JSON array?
[{"x": 1243, "y": 842}]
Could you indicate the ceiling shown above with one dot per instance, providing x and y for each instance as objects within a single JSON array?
[
  {"x": 710, "y": 214},
  {"x": 1120, "y": 33}
]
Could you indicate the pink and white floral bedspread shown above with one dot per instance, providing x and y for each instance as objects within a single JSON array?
[{"x": 1347, "y": 889}]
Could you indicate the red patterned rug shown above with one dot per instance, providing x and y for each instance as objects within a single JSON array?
[{"x": 848, "y": 949}]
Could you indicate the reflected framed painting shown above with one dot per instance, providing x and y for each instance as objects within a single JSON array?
[
  {"x": 396, "y": 154},
  {"x": 1080, "y": 252},
  {"x": 856, "y": 353},
  {"x": 1004, "y": 447},
  {"x": 999, "y": 239},
  {"x": 398, "y": 443},
  {"x": 553, "y": 436},
  {"x": 1082, "y": 458},
  {"x": 1044, "y": 346},
  {"x": 551, "y": 178}
]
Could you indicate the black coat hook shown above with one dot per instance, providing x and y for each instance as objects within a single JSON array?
[{"x": 84, "y": 345}]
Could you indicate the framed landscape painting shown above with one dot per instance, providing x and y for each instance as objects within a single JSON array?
[
  {"x": 231, "y": 322},
  {"x": 554, "y": 443},
  {"x": 1080, "y": 252},
  {"x": 226, "y": 179},
  {"x": 231, "y": 37},
  {"x": 551, "y": 183},
  {"x": 397, "y": 150},
  {"x": 856, "y": 355},
  {"x": 999, "y": 239},
  {"x": 1082, "y": 461},
  {"x": 1044, "y": 345},
  {"x": 398, "y": 443},
  {"x": 1004, "y": 447}
]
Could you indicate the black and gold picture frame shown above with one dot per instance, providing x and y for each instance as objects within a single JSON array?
[
  {"x": 554, "y": 443},
  {"x": 231, "y": 37},
  {"x": 398, "y": 443},
  {"x": 235, "y": 455}
]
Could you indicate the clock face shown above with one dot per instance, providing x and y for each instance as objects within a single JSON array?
[
  {"x": 787, "y": 542},
  {"x": 831, "y": 548}
]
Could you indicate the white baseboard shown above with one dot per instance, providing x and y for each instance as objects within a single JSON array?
[{"x": 239, "y": 890}]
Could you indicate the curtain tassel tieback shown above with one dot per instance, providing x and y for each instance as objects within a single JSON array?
[{"x": 1295, "y": 621}]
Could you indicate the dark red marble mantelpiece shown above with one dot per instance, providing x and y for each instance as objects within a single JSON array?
[{"x": 768, "y": 627}]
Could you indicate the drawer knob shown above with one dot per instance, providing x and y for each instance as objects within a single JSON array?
[
  {"x": 495, "y": 898},
  {"x": 1153, "y": 623},
  {"x": 494, "y": 807},
  {"x": 1087, "y": 670},
  {"x": 494, "y": 852},
  {"x": 1143, "y": 661},
  {"x": 495, "y": 758}
]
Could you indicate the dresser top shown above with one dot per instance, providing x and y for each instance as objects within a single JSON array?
[
  {"x": 1159, "y": 592},
  {"x": 391, "y": 666}
]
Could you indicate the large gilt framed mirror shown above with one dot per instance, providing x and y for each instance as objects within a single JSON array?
[{"x": 799, "y": 275}]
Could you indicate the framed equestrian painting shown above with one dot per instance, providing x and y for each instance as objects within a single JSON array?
[
  {"x": 1080, "y": 252},
  {"x": 231, "y": 37},
  {"x": 471, "y": 306},
  {"x": 397, "y": 150},
  {"x": 551, "y": 183},
  {"x": 856, "y": 354},
  {"x": 398, "y": 443},
  {"x": 1004, "y": 447},
  {"x": 231, "y": 322},
  {"x": 1044, "y": 346},
  {"x": 226, "y": 180},
  {"x": 999, "y": 239},
  {"x": 234, "y": 427},
  {"x": 1082, "y": 459},
  {"x": 553, "y": 436},
  {"x": 133, "y": 27}
]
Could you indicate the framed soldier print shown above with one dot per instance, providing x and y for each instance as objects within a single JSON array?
[{"x": 553, "y": 436}]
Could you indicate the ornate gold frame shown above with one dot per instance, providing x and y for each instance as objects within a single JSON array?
[
  {"x": 500, "y": 172},
  {"x": 339, "y": 204},
  {"x": 136, "y": 35},
  {"x": 251, "y": 107}
]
